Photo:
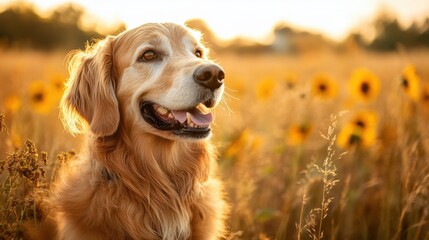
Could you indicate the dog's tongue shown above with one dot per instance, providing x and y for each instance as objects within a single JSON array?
[
  {"x": 200, "y": 118},
  {"x": 197, "y": 116}
]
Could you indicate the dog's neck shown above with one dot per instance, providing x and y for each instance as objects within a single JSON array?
[{"x": 155, "y": 163}]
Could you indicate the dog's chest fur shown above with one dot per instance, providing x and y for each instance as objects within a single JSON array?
[{"x": 99, "y": 200}]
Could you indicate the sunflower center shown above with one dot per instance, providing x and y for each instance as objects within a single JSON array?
[
  {"x": 360, "y": 123},
  {"x": 405, "y": 82},
  {"x": 290, "y": 85},
  {"x": 38, "y": 97},
  {"x": 365, "y": 88},
  {"x": 323, "y": 87},
  {"x": 303, "y": 130}
]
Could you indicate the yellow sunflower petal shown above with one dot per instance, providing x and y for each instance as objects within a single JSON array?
[
  {"x": 364, "y": 85},
  {"x": 298, "y": 133},
  {"x": 410, "y": 82},
  {"x": 365, "y": 120},
  {"x": 41, "y": 97},
  {"x": 13, "y": 103},
  {"x": 324, "y": 87},
  {"x": 347, "y": 137},
  {"x": 360, "y": 131}
]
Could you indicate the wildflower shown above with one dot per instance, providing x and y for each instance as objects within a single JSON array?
[
  {"x": 27, "y": 162},
  {"x": 13, "y": 103},
  {"x": 41, "y": 99},
  {"x": 265, "y": 88},
  {"x": 360, "y": 131},
  {"x": 299, "y": 133},
  {"x": 410, "y": 82},
  {"x": 324, "y": 87},
  {"x": 364, "y": 85}
]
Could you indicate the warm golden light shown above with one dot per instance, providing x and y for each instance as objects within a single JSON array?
[
  {"x": 251, "y": 19},
  {"x": 321, "y": 133}
]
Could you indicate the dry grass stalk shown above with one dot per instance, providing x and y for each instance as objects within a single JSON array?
[{"x": 326, "y": 172}]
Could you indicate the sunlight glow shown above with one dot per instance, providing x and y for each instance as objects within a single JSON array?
[{"x": 251, "y": 19}]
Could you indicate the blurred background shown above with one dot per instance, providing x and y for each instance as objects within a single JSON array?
[{"x": 322, "y": 133}]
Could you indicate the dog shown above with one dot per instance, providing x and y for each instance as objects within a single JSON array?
[{"x": 143, "y": 100}]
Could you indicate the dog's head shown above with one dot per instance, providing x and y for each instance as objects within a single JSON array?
[{"x": 153, "y": 79}]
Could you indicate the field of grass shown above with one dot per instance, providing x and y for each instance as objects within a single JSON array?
[{"x": 314, "y": 146}]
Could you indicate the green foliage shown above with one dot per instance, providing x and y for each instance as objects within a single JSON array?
[{"x": 389, "y": 34}]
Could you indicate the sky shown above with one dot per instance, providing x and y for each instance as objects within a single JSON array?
[{"x": 253, "y": 19}]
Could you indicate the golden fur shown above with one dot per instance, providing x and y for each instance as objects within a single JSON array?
[{"x": 132, "y": 181}]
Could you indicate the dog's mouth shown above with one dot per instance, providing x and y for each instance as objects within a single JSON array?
[{"x": 190, "y": 123}]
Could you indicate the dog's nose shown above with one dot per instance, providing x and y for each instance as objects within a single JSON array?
[{"x": 209, "y": 76}]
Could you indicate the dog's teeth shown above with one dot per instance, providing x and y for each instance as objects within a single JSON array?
[
  {"x": 162, "y": 110},
  {"x": 170, "y": 116},
  {"x": 188, "y": 119},
  {"x": 203, "y": 108}
]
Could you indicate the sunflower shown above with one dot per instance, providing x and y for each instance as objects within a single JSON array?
[
  {"x": 410, "y": 82},
  {"x": 360, "y": 131},
  {"x": 13, "y": 103},
  {"x": 40, "y": 97},
  {"x": 299, "y": 133},
  {"x": 324, "y": 87},
  {"x": 265, "y": 88},
  {"x": 364, "y": 85},
  {"x": 365, "y": 120}
]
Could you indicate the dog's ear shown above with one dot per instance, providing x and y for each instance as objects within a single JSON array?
[{"x": 90, "y": 99}]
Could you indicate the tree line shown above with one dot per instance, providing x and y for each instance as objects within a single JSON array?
[
  {"x": 390, "y": 34},
  {"x": 21, "y": 26}
]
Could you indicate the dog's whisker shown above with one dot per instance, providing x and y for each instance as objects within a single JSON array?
[
  {"x": 230, "y": 94},
  {"x": 224, "y": 105}
]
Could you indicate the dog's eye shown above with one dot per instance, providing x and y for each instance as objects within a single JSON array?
[
  {"x": 199, "y": 53},
  {"x": 149, "y": 55}
]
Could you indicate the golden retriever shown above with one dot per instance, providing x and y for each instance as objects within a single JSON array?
[{"x": 143, "y": 99}]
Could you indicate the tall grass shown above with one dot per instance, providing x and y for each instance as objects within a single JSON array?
[
  {"x": 380, "y": 180},
  {"x": 22, "y": 174},
  {"x": 283, "y": 178}
]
